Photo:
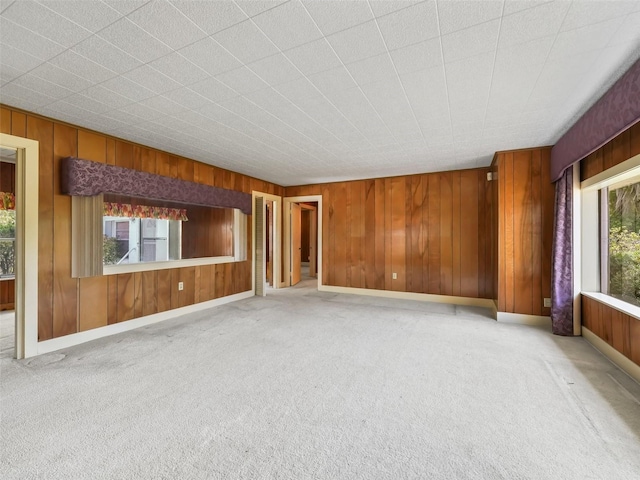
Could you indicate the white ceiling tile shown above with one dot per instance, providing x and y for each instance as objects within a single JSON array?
[
  {"x": 142, "y": 110},
  {"x": 8, "y": 74},
  {"x": 336, "y": 15},
  {"x": 513, "y": 6},
  {"x": 313, "y": 57},
  {"x": 167, "y": 24},
  {"x": 213, "y": 90},
  {"x": 211, "y": 16},
  {"x": 106, "y": 96},
  {"x": 91, "y": 15},
  {"x": 409, "y": 26},
  {"x": 298, "y": 89},
  {"x": 35, "y": 97},
  {"x": 61, "y": 77},
  {"x": 358, "y": 43},
  {"x": 19, "y": 60},
  {"x": 584, "y": 39},
  {"x": 210, "y": 56},
  {"x": 125, "y": 6},
  {"x": 39, "y": 19},
  {"x": 462, "y": 14},
  {"x": 20, "y": 38},
  {"x": 106, "y": 54},
  {"x": 425, "y": 86},
  {"x": 5, "y": 4},
  {"x": 151, "y": 79},
  {"x": 242, "y": 80},
  {"x": 628, "y": 31},
  {"x": 333, "y": 80},
  {"x": 88, "y": 103},
  {"x": 44, "y": 86},
  {"x": 532, "y": 52},
  {"x": 532, "y": 23},
  {"x": 471, "y": 41},
  {"x": 255, "y": 7},
  {"x": 417, "y": 57},
  {"x": 373, "y": 69},
  {"x": 134, "y": 40},
  {"x": 178, "y": 68},
  {"x": 581, "y": 14},
  {"x": 163, "y": 104},
  {"x": 82, "y": 67},
  {"x": 246, "y": 42},
  {"x": 275, "y": 69},
  {"x": 384, "y": 7},
  {"x": 288, "y": 25},
  {"x": 128, "y": 88}
]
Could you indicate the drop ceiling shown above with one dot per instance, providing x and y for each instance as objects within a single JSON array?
[{"x": 300, "y": 92}]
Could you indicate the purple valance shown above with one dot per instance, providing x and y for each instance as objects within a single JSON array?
[
  {"x": 616, "y": 111},
  {"x": 86, "y": 178}
]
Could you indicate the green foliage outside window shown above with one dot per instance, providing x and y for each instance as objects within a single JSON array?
[
  {"x": 624, "y": 243},
  {"x": 7, "y": 247}
]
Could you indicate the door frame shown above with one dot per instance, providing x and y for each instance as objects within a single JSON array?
[
  {"x": 26, "y": 268},
  {"x": 287, "y": 235},
  {"x": 277, "y": 238}
]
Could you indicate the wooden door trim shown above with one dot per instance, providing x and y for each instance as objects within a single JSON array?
[
  {"x": 277, "y": 235},
  {"x": 27, "y": 163}
]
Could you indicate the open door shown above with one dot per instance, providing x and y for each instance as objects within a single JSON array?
[
  {"x": 296, "y": 246},
  {"x": 313, "y": 242}
]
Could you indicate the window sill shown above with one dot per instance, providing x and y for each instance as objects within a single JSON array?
[
  {"x": 615, "y": 303},
  {"x": 149, "y": 266}
]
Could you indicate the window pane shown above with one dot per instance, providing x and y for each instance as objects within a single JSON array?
[
  {"x": 7, "y": 243},
  {"x": 134, "y": 240},
  {"x": 624, "y": 243}
]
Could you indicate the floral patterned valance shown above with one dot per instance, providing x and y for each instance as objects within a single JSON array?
[
  {"x": 127, "y": 210},
  {"x": 7, "y": 201},
  {"x": 86, "y": 178}
]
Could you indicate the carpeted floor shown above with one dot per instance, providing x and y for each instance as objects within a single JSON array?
[{"x": 308, "y": 385}]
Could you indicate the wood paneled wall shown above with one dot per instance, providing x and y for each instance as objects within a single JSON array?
[
  {"x": 432, "y": 230},
  {"x": 525, "y": 230},
  {"x": 7, "y": 177},
  {"x": 619, "y": 330},
  {"x": 621, "y": 148},
  {"x": 69, "y": 305},
  {"x": 208, "y": 233}
]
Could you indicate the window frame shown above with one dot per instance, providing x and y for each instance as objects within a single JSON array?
[{"x": 593, "y": 282}]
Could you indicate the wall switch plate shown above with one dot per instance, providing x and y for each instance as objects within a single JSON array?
[
  {"x": 547, "y": 302},
  {"x": 180, "y": 285},
  {"x": 394, "y": 276}
]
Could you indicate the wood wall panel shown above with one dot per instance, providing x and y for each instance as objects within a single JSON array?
[
  {"x": 67, "y": 305},
  {"x": 621, "y": 148},
  {"x": 7, "y": 294},
  {"x": 425, "y": 228},
  {"x": 524, "y": 220},
  {"x": 618, "y": 329}
]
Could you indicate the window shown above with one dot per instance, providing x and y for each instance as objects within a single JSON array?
[
  {"x": 133, "y": 240},
  {"x": 620, "y": 240},
  {"x": 7, "y": 243}
]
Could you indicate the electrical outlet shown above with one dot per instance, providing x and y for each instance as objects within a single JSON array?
[
  {"x": 180, "y": 285},
  {"x": 547, "y": 302},
  {"x": 394, "y": 276}
]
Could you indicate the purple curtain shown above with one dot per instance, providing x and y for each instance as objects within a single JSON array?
[{"x": 562, "y": 257}]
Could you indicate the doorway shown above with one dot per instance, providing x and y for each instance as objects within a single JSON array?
[
  {"x": 7, "y": 251},
  {"x": 303, "y": 235},
  {"x": 25, "y": 260},
  {"x": 266, "y": 242}
]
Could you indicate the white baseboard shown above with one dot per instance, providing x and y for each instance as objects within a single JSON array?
[
  {"x": 421, "y": 297},
  {"x": 629, "y": 367},
  {"x": 523, "y": 319},
  {"x": 54, "y": 344}
]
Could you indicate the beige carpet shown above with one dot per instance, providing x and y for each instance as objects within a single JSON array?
[{"x": 309, "y": 385}]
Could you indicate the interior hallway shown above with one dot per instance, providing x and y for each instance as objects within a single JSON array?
[{"x": 307, "y": 384}]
